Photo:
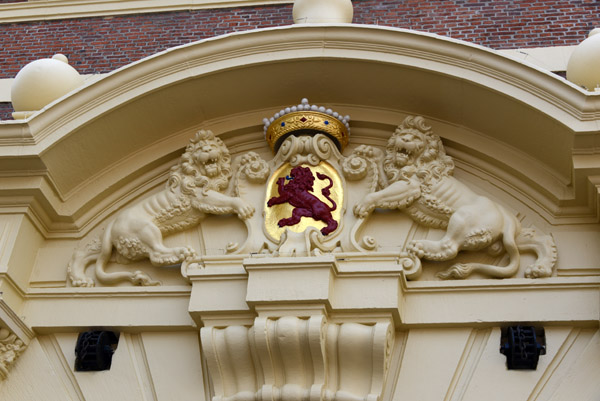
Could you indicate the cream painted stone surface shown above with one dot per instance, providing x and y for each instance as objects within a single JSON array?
[
  {"x": 553, "y": 58},
  {"x": 5, "y": 85},
  {"x": 145, "y": 366},
  {"x": 33, "y": 378},
  {"x": 245, "y": 319},
  {"x": 322, "y": 11},
  {"x": 123, "y": 380},
  {"x": 175, "y": 365},
  {"x": 425, "y": 355},
  {"x": 42, "y": 81},
  {"x": 582, "y": 68},
  {"x": 464, "y": 366}
]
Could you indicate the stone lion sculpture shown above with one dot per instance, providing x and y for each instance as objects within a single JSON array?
[
  {"x": 194, "y": 188},
  {"x": 420, "y": 182}
]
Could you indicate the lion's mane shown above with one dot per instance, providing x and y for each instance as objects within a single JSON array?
[
  {"x": 186, "y": 178},
  {"x": 187, "y": 174},
  {"x": 431, "y": 164}
]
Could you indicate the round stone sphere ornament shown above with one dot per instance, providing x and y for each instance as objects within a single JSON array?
[
  {"x": 41, "y": 82},
  {"x": 322, "y": 11},
  {"x": 583, "y": 68}
]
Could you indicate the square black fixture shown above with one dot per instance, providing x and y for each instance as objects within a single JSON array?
[
  {"x": 94, "y": 350},
  {"x": 522, "y": 346}
]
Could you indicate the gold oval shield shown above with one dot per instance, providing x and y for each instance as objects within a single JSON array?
[{"x": 273, "y": 214}]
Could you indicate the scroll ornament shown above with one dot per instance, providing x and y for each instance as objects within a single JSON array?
[{"x": 10, "y": 349}]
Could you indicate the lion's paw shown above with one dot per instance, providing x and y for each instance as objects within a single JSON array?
[
  {"x": 82, "y": 282},
  {"x": 185, "y": 253},
  {"x": 416, "y": 248},
  {"x": 538, "y": 271},
  {"x": 244, "y": 210},
  {"x": 363, "y": 209}
]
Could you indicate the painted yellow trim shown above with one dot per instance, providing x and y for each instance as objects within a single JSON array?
[{"x": 65, "y": 9}]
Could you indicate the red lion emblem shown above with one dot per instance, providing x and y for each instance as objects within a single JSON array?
[{"x": 297, "y": 193}]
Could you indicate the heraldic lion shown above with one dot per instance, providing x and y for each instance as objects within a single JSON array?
[
  {"x": 194, "y": 188},
  {"x": 420, "y": 182},
  {"x": 297, "y": 192}
]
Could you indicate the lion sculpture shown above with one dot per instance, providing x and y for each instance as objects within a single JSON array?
[
  {"x": 420, "y": 182},
  {"x": 194, "y": 188},
  {"x": 297, "y": 192}
]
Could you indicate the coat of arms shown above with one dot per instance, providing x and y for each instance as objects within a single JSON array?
[{"x": 310, "y": 199}]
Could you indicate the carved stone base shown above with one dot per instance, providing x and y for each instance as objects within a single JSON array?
[
  {"x": 296, "y": 335},
  {"x": 291, "y": 358}
]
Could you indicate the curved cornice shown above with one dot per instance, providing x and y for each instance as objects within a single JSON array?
[
  {"x": 504, "y": 112},
  {"x": 64, "y": 9}
]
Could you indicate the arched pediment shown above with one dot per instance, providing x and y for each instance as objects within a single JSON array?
[
  {"x": 149, "y": 203},
  {"x": 514, "y": 121}
]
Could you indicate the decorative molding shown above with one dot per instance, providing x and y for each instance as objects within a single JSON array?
[
  {"x": 15, "y": 335},
  {"x": 10, "y": 320},
  {"x": 292, "y": 358},
  {"x": 137, "y": 308},
  {"x": 552, "y": 58},
  {"x": 35, "y": 10},
  {"x": 344, "y": 283},
  {"x": 11, "y": 347}
]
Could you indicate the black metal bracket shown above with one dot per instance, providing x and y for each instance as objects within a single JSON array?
[
  {"x": 522, "y": 346},
  {"x": 94, "y": 350}
]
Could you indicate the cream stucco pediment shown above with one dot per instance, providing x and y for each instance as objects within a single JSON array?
[
  {"x": 497, "y": 114},
  {"x": 127, "y": 157}
]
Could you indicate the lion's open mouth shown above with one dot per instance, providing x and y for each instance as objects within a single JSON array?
[{"x": 211, "y": 166}]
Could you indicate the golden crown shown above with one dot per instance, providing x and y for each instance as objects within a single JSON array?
[{"x": 306, "y": 119}]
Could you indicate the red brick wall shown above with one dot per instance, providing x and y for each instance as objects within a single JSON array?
[
  {"x": 5, "y": 111},
  {"x": 493, "y": 23},
  {"x": 96, "y": 45},
  {"x": 102, "y": 44}
]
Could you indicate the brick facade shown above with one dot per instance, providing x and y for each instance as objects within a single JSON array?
[
  {"x": 102, "y": 44},
  {"x": 6, "y": 111}
]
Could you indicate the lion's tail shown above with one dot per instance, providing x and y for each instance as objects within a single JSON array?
[
  {"x": 327, "y": 191},
  {"x": 104, "y": 257},
  {"x": 97, "y": 251}
]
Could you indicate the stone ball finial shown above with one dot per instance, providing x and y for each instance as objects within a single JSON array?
[
  {"x": 322, "y": 11},
  {"x": 583, "y": 68},
  {"x": 41, "y": 82}
]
